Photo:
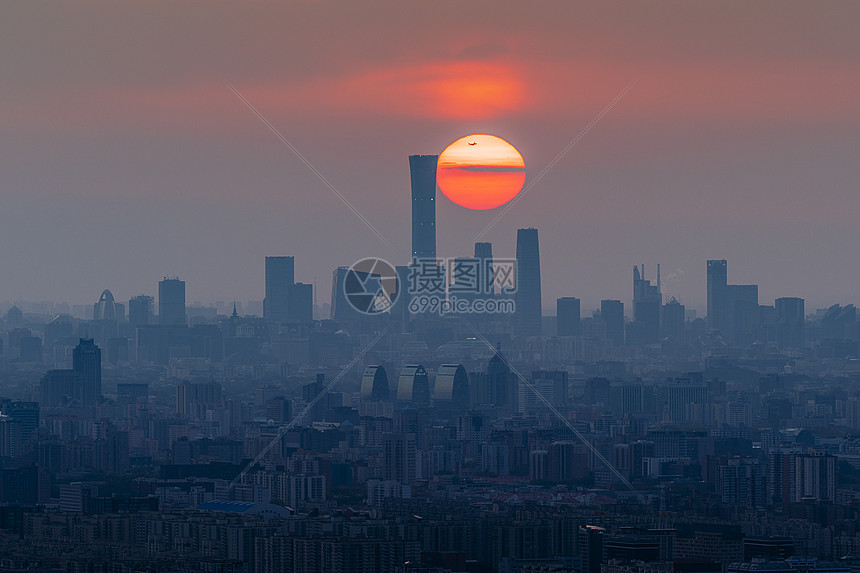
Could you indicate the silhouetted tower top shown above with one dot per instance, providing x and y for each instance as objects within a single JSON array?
[
  {"x": 171, "y": 302},
  {"x": 422, "y": 169},
  {"x": 528, "y": 294}
]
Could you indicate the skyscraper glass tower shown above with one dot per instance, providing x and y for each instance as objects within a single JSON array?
[
  {"x": 171, "y": 302},
  {"x": 280, "y": 276},
  {"x": 423, "y": 171},
  {"x": 528, "y": 294}
]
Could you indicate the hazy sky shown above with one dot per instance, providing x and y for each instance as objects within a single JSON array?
[{"x": 125, "y": 157}]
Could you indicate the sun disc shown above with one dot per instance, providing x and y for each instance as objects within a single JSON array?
[{"x": 480, "y": 172}]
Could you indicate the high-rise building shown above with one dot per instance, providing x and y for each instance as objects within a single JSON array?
[
  {"x": 790, "y": 321},
  {"x": 87, "y": 362},
  {"x": 399, "y": 458},
  {"x": 733, "y": 310},
  {"x": 717, "y": 282},
  {"x": 672, "y": 321},
  {"x": 484, "y": 253},
  {"x": 140, "y": 310},
  {"x": 300, "y": 304},
  {"x": 423, "y": 173},
  {"x": 171, "y": 302},
  {"x": 612, "y": 315},
  {"x": 528, "y": 293},
  {"x": 647, "y": 300},
  {"x": 567, "y": 316},
  {"x": 280, "y": 277}
]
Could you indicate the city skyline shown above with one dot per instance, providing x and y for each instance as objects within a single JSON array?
[{"x": 167, "y": 162}]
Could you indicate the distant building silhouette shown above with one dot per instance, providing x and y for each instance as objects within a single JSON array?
[
  {"x": 612, "y": 315},
  {"x": 672, "y": 321},
  {"x": 280, "y": 277},
  {"x": 422, "y": 169},
  {"x": 528, "y": 293},
  {"x": 171, "y": 302},
  {"x": 791, "y": 321},
  {"x": 567, "y": 316},
  {"x": 484, "y": 253},
  {"x": 87, "y": 362},
  {"x": 733, "y": 310},
  {"x": 647, "y": 300},
  {"x": 140, "y": 310}
]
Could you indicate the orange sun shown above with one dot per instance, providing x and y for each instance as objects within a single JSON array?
[{"x": 480, "y": 172}]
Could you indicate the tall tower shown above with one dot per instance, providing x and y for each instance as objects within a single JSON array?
[
  {"x": 484, "y": 254},
  {"x": 528, "y": 294},
  {"x": 280, "y": 277},
  {"x": 567, "y": 316},
  {"x": 171, "y": 302},
  {"x": 423, "y": 171},
  {"x": 140, "y": 310},
  {"x": 87, "y": 363},
  {"x": 717, "y": 287}
]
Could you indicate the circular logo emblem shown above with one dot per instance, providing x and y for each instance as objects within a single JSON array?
[{"x": 371, "y": 286}]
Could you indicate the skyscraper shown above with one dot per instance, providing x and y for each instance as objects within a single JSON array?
[
  {"x": 717, "y": 282},
  {"x": 423, "y": 172},
  {"x": 171, "y": 302},
  {"x": 647, "y": 300},
  {"x": 87, "y": 363},
  {"x": 484, "y": 253},
  {"x": 567, "y": 316},
  {"x": 733, "y": 310},
  {"x": 280, "y": 277},
  {"x": 612, "y": 314},
  {"x": 140, "y": 310},
  {"x": 791, "y": 316},
  {"x": 528, "y": 294},
  {"x": 399, "y": 458}
]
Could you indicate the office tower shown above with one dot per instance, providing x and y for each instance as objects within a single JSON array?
[
  {"x": 423, "y": 173},
  {"x": 484, "y": 253},
  {"x": 672, "y": 321},
  {"x": 647, "y": 300},
  {"x": 717, "y": 282},
  {"x": 551, "y": 385},
  {"x": 567, "y": 316},
  {"x": 399, "y": 458},
  {"x": 590, "y": 548},
  {"x": 733, "y": 310},
  {"x": 140, "y": 310},
  {"x": 171, "y": 302},
  {"x": 300, "y": 302},
  {"x": 791, "y": 319},
  {"x": 528, "y": 294},
  {"x": 87, "y": 362},
  {"x": 27, "y": 413},
  {"x": 612, "y": 315},
  {"x": 280, "y": 277}
]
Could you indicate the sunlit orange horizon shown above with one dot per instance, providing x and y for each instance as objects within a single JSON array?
[{"x": 480, "y": 172}]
